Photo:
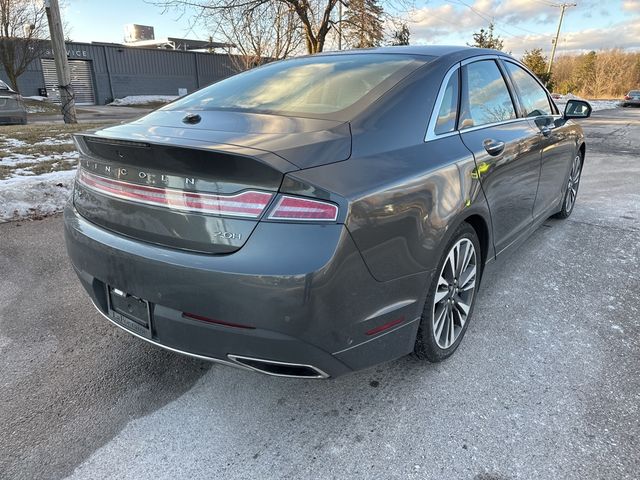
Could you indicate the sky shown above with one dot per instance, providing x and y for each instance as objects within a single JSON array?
[{"x": 522, "y": 24}]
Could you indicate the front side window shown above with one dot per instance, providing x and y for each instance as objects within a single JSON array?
[
  {"x": 446, "y": 121},
  {"x": 486, "y": 97},
  {"x": 317, "y": 85},
  {"x": 533, "y": 97}
]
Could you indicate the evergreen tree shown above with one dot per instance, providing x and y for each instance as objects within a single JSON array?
[
  {"x": 401, "y": 36},
  {"x": 363, "y": 24},
  {"x": 537, "y": 63},
  {"x": 487, "y": 39},
  {"x": 585, "y": 73}
]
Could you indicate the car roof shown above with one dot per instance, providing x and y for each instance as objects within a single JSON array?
[
  {"x": 444, "y": 53},
  {"x": 426, "y": 50}
]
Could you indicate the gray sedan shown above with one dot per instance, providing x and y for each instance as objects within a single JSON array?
[
  {"x": 12, "y": 108},
  {"x": 631, "y": 99},
  {"x": 322, "y": 214}
]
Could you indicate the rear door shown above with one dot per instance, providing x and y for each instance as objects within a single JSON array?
[
  {"x": 505, "y": 147},
  {"x": 557, "y": 146}
]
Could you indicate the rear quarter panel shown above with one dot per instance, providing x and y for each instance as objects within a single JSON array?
[{"x": 405, "y": 196}]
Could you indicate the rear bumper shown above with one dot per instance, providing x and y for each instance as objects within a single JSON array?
[{"x": 303, "y": 289}]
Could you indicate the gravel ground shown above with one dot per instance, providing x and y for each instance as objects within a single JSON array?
[{"x": 546, "y": 384}]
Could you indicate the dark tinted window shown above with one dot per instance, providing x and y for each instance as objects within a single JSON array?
[
  {"x": 533, "y": 97},
  {"x": 309, "y": 85},
  {"x": 486, "y": 97},
  {"x": 446, "y": 121}
]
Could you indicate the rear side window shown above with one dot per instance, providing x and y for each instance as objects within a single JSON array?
[
  {"x": 485, "y": 95},
  {"x": 316, "y": 85},
  {"x": 446, "y": 121},
  {"x": 533, "y": 97}
]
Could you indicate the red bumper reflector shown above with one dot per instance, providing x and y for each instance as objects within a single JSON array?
[
  {"x": 386, "y": 326},
  {"x": 246, "y": 204},
  {"x": 297, "y": 208},
  {"x": 193, "y": 316}
]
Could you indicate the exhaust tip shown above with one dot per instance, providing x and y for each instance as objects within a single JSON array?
[{"x": 279, "y": 369}]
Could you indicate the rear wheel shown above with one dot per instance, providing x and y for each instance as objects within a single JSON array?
[
  {"x": 573, "y": 183},
  {"x": 451, "y": 297}
]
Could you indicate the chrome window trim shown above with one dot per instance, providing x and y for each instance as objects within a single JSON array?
[
  {"x": 552, "y": 103},
  {"x": 479, "y": 58},
  {"x": 431, "y": 135},
  {"x": 494, "y": 124}
]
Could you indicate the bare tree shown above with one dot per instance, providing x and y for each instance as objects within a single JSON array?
[
  {"x": 601, "y": 74},
  {"x": 268, "y": 32},
  {"x": 316, "y": 18},
  {"x": 23, "y": 26}
]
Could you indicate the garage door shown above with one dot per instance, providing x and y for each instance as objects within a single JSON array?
[{"x": 81, "y": 80}]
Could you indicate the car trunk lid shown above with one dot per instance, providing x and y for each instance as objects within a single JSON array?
[{"x": 201, "y": 187}]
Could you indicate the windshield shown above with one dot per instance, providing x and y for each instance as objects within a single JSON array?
[{"x": 309, "y": 85}]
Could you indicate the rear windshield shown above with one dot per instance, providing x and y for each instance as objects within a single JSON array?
[
  {"x": 634, "y": 92},
  {"x": 317, "y": 85}
]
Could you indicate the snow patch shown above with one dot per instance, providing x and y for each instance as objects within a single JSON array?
[
  {"x": 29, "y": 196},
  {"x": 142, "y": 100},
  {"x": 596, "y": 105}
]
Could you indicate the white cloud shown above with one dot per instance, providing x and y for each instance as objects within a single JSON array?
[
  {"x": 624, "y": 35},
  {"x": 455, "y": 23}
]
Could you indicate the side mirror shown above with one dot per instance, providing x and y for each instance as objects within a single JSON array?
[{"x": 577, "y": 109}]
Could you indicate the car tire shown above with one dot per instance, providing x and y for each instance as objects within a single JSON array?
[
  {"x": 444, "y": 322},
  {"x": 572, "y": 185}
]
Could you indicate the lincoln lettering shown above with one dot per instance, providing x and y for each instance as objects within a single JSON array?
[{"x": 130, "y": 174}]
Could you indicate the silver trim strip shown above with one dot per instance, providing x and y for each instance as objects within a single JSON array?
[
  {"x": 390, "y": 308},
  {"x": 171, "y": 349},
  {"x": 238, "y": 358},
  {"x": 495, "y": 124}
]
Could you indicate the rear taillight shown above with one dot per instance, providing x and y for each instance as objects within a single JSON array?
[
  {"x": 627, "y": 97},
  {"x": 298, "y": 208},
  {"x": 246, "y": 204}
]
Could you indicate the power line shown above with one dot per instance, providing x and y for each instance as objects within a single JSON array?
[{"x": 491, "y": 19}]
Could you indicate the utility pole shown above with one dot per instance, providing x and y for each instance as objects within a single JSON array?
[
  {"x": 563, "y": 7},
  {"x": 67, "y": 101},
  {"x": 339, "y": 24}
]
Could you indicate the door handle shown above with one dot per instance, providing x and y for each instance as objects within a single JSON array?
[{"x": 493, "y": 147}]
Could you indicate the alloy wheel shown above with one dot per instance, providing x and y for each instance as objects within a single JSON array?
[
  {"x": 454, "y": 293},
  {"x": 573, "y": 184}
]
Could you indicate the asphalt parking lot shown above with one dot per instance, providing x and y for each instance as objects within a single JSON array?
[{"x": 546, "y": 384}]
